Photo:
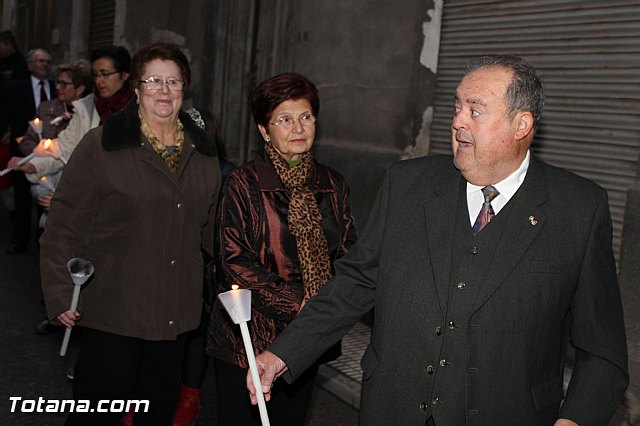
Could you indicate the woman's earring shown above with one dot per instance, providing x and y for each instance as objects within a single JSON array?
[
  {"x": 268, "y": 139},
  {"x": 138, "y": 100}
]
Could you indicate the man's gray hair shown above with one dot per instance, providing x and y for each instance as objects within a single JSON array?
[
  {"x": 525, "y": 93},
  {"x": 33, "y": 52}
]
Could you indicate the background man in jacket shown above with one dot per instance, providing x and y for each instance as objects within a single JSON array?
[{"x": 481, "y": 270}]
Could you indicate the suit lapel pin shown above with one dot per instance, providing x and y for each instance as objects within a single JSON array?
[{"x": 533, "y": 220}]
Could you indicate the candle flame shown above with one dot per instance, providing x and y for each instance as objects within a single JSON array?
[
  {"x": 47, "y": 143},
  {"x": 35, "y": 120},
  {"x": 235, "y": 287},
  {"x": 43, "y": 178}
]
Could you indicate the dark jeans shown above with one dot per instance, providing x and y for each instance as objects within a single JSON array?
[
  {"x": 288, "y": 405},
  {"x": 116, "y": 368}
]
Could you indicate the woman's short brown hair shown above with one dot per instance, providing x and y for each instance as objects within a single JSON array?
[
  {"x": 282, "y": 87},
  {"x": 78, "y": 76},
  {"x": 164, "y": 52}
]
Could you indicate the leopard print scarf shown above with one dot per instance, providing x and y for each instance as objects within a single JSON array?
[
  {"x": 304, "y": 221},
  {"x": 171, "y": 159}
]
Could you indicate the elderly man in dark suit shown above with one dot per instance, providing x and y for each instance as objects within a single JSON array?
[
  {"x": 481, "y": 269},
  {"x": 18, "y": 106}
]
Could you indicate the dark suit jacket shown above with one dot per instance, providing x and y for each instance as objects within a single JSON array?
[
  {"x": 553, "y": 279},
  {"x": 17, "y": 108}
]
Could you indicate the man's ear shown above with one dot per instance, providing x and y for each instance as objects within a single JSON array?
[{"x": 524, "y": 124}]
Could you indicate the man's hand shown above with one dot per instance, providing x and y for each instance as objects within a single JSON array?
[
  {"x": 270, "y": 367},
  {"x": 26, "y": 167},
  {"x": 565, "y": 422}
]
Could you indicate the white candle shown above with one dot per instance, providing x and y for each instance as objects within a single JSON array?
[
  {"x": 253, "y": 367},
  {"x": 237, "y": 302},
  {"x": 36, "y": 125},
  {"x": 50, "y": 148},
  {"x": 45, "y": 181},
  {"x": 26, "y": 159},
  {"x": 80, "y": 271},
  {"x": 18, "y": 164},
  {"x": 67, "y": 331}
]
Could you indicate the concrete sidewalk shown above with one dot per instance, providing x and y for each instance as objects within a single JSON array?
[{"x": 343, "y": 377}]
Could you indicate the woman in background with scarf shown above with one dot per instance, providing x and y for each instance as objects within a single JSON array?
[{"x": 283, "y": 220}]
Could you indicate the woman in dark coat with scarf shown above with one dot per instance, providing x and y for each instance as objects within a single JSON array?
[
  {"x": 283, "y": 221},
  {"x": 137, "y": 199}
]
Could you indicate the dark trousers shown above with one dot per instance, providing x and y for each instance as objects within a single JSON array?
[
  {"x": 21, "y": 215},
  {"x": 196, "y": 359},
  {"x": 116, "y": 368},
  {"x": 288, "y": 404}
]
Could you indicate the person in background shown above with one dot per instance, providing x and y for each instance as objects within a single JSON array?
[
  {"x": 482, "y": 267},
  {"x": 71, "y": 84},
  {"x": 137, "y": 199},
  {"x": 196, "y": 360},
  {"x": 18, "y": 105},
  {"x": 213, "y": 129},
  {"x": 6, "y": 195},
  {"x": 110, "y": 68},
  {"x": 13, "y": 66},
  {"x": 283, "y": 220},
  {"x": 85, "y": 118}
]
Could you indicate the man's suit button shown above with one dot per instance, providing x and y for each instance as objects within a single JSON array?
[
  {"x": 430, "y": 369},
  {"x": 474, "y": 250},
  {"x": 435, "y": 401},
  {"x": 424, "y": 406},
  {"x": 461, "y": 286},
  {"x": 443, "y": 362},
  {"x": 452, "y": 325},
  {"x": 438, "y": 330}
]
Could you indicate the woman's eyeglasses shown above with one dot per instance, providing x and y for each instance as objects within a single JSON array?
[
  {"x": 287, "y": 122},
  {"x": 63, "y": 83},
  {"x": 155, "y": 83},
  {"x": 103, "y": 74}
]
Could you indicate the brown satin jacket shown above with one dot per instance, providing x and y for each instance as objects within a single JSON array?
[{"x": 257, "y": 251}]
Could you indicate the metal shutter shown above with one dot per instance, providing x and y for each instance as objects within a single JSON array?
[
  {"x": 102, "y": 19},
  {"x": 588, "y": 56}
]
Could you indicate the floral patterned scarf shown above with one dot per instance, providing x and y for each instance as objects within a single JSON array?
[{"x": 171, "y": 158}]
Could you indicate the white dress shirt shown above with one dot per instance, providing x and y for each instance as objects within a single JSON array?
[
  {"x": 35, "y": 86},
  {"x": 506, "y": 188}
]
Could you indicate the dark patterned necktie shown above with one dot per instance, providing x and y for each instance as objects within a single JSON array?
[
  {"x": 43, "y": 93},
  {"x": 486, "y": 212}
]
